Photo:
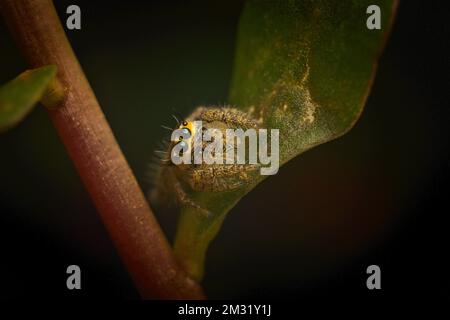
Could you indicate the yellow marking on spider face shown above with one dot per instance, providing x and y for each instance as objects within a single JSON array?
[{"x": 190, "y": 126}]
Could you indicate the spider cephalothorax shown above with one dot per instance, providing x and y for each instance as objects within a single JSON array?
[{"x": 182, "y": 178}]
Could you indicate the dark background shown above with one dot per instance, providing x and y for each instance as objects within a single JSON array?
[{"x": 378, "y": 195}]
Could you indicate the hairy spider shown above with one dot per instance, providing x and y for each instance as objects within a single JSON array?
[{"x": 179, "y": 179}]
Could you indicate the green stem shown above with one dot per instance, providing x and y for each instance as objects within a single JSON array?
[{"x": 194, "y": 234}]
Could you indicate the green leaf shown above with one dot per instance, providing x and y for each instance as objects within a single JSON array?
[
  {"x": 18, "y": 97},
  {"x": 305, "y": 68}
]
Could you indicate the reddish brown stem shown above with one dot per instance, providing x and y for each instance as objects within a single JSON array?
[{"x": 97, "y": 156}]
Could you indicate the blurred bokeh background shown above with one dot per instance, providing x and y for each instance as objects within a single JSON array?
[{"x": 378, "y": 195}]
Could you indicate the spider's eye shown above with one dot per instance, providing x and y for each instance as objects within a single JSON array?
[
  {"x": 184, "y": 123},
  {"x": 186, "y": 131}
]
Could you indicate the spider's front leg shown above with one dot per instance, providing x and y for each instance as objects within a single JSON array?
[{"x": 184, "y": 199}]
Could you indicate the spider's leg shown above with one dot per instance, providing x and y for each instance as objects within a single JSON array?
[{"x": 184, "y": 198}]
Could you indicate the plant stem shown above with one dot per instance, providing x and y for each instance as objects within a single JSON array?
[
  {"x": 192, "y": 241},
  {"x": 100, "y": 163}
]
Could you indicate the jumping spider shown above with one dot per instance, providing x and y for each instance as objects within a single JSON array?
[{"x": 177, "y": 179}]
